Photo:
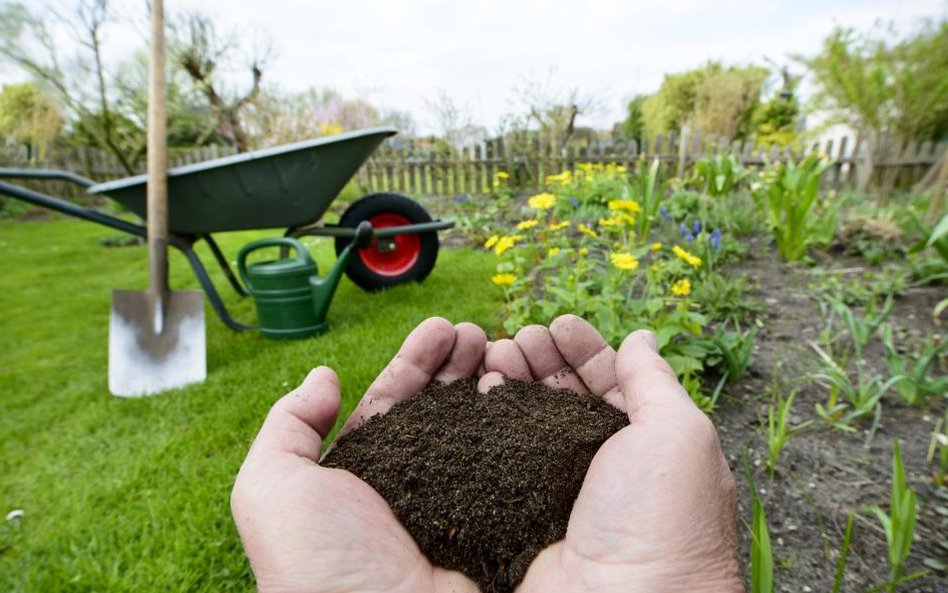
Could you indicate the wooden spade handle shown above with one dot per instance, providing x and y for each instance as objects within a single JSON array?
[{"x": 157, "y": 218}]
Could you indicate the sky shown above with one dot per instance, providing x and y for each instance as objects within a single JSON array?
[{"x": 403, "y": 54}]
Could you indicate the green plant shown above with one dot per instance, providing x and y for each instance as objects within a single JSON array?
[
  {"x": 861, "y": 331},
  {"x": 718, "y": 175},
  {"x": 862, "y": 395},
  {"x": 858, "y": 287},
  {"x": 761, "y": 551},
  {"x": 790, "y": 194},
  {"x": 779, "y": 431},
  {"x": 899, "y": 523},
  {"x": 843, "y": 553},
  {"x": 733, "y": 352},
  {"x": 916, "y": 383},
  {"x": 647, "y": 186},
  {"x": 478, "y": 219},
  {"x": 939, "y": 443}
]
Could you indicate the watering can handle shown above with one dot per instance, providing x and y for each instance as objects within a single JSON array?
[{"x": 301, "y": 253}]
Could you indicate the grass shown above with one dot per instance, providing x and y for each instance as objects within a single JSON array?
[{"x": 122, "y": 495}]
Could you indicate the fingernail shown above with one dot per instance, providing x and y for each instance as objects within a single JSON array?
[{"x": 648, "y": 338}]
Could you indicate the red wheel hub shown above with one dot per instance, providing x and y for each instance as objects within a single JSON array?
[{"x": 392, "y": 256}]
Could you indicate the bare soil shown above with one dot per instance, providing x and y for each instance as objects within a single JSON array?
[{"x": 825, "y": 472}]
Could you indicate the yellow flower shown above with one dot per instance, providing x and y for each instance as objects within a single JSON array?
[
  {"x": 503, "y": 279},
  {"x": 502, "y": 175},
  {"x": 624, "y": 261},
  {"x": 625, "y": 206},
  {"x": 682, "y": 287},
  {"x": 617, "y": 220},
  {"x": 552, "y": 251},
  {"x": 584, "y": 250},
  {"x": 505, "y": 243},
  {"x": 527, "y": 224},
  {"x": 560, "y": 225},
  {"x": 586, "y": 230},
  {"x": 655, "y": 246},
  {"x": 687, "y": 257},
  {"x": 542, "y": 201},
  {"x": 563, "y": 177},
  {"x": 491, "y": 242}
]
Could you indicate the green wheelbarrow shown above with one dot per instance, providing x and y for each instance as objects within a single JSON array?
[{"x": 290, "y": 187}]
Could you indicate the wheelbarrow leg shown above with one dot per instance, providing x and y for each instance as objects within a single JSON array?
[
  {"x": 185, "y": 247},
  {"x": 225, "y": 265}
]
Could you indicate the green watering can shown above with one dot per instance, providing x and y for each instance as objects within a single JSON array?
[{"x": 291, "y": 299}]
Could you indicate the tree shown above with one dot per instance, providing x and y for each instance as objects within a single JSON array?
[
  {"x": 775, "y": 121},
  {"x": 199, "y": 49},
  {"x": 81, "y": 84},
  {"x": 878, "y": 85},
  {"x": 713, "y": 100},
  {"x": 634, "y": 124},
  {"x": 29, "y": 116}
]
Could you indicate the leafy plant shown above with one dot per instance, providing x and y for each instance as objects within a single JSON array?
[
  {"x": 915, "y": 383},
  {"x": 858, "y": 288},
  {"x": 899, "y": 523},
  {"x": 779, "y": 431},
  {"x": 790, "y": 193},
  {"x": 939, "y": 443},
  {"x": 843, "y": 553},
  {"x": 862, "y": 395},
  {"x": 718, "y": 175},
  {"x": 761, "y": 551},
  {"x": 861, "y": 331},
  {"x": 734, "y": 352}
]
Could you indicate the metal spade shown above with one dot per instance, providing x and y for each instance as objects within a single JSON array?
[{"x": 156, "y": 337}]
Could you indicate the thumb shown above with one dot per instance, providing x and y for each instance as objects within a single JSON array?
[
  {"x": 648, "y": 383},
  {"x": 298, "y": 422}
]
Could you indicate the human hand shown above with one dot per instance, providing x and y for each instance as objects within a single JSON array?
[
  {"x": 311, "y": 529},
  {"x": 656, "y": 511}
]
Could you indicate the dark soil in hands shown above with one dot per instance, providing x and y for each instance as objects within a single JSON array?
[{"x": 482, "y": 482}]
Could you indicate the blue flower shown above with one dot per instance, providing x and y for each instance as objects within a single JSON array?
[
  {"x": 685, "y": 233},
  {"x": 665, "y": 214},
  {"x": 574, "y": 202},
  {"x": 459, "y": 199},
  {"x": 697, "y": 227},
  {"x": 715, "y": 239}
]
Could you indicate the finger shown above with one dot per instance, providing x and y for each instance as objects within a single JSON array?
[
  {"x": 651, "y": 389},
  {"x": 505, "y": 357},
  {"x": 297, "y": 423},
  {"x": 545, "y": 361},
  {"x": 583, "y": 349},
  {"x": 466, "y": 355},
  {"x": 422, "y": 353},
  {"x": 489, "y": 380}
]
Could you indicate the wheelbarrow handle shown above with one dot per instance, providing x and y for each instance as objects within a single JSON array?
[
  {"x": 60, "y": 205},
  {"x": 49, "y": 174}
]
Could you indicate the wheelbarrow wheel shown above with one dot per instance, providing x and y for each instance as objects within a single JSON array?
[{"x": 394, "y": 260}]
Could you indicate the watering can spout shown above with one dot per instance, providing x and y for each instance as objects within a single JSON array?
[{"x": 324, "y": 288}]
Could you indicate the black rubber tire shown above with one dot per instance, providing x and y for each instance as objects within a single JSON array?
[{"x": 370, "y": 206}]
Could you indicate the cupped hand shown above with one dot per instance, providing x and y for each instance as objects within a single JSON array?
[
  {"x": 656, "y": 512},
  {"x": 311, "y": 529}
]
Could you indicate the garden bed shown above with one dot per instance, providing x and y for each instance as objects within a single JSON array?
[{"x": 824, "y": 473}]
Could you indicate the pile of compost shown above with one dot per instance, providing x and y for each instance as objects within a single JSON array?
[{"x": 483, "y": 482}]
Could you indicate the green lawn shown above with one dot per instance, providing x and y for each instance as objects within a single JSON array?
[{"x": 123, "y": 495}]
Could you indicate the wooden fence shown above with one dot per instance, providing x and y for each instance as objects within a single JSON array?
[{"x": 406, "y": 167}]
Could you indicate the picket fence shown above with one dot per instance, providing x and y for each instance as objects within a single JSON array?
[{"x": 407, "y": 166}]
